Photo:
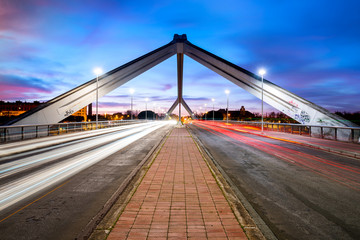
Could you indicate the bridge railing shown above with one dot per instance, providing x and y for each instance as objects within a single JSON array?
[
  {"x": 337, "y": 133},
  {"x": 23, "y": 132}
]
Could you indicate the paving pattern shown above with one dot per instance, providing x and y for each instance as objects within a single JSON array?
[{"x": 178, "y": 199}]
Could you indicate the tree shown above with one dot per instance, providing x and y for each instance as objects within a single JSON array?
[{"x": 149, "y": 114}]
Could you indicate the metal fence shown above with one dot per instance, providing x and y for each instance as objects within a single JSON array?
[
  {"x": 22, "y": 132},
  {"x": 345, "y": 134}
]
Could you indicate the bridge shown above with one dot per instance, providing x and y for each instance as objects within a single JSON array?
[{"x": 161, "y": 179}]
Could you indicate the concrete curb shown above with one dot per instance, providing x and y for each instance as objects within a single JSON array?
[{"x": 252, "y": 223}]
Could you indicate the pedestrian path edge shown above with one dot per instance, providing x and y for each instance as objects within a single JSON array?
[{"x": 179, "y": 197}]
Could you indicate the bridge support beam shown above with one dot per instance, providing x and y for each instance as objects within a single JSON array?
[
  {"x": 183, "y": 103},
  {"x": 70, "y": 102},
  {"x": 180, "y": 74},
  {"x": 171, "y": 109},
  {"x": 188, "y": 109},
  {"x": 292, "y": 105}
]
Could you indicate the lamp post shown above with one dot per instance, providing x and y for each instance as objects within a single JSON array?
[
  {"x": 131, "y": 92},
  {"x": 262, "y": 73},
  {"x": 154, "y": 107},
  {"x": 213, "y": 100},
  {"x": 205, "y": 111},
  {"x": 227, "y": 92},
  {"x": 97, "y": 71},
  {"x": 146, "y": 100}
]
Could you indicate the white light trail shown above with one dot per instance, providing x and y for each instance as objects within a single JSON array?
[
  {"x": 28, "y": 162},
  {"x": 16, "y": 147},
  {"x": 21, "y": 188}
]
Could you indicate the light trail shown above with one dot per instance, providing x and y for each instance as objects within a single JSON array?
[
  {"x": 341, "y": 173},
  {"x": 24, "y": 187},
  {"x": 63, "y": 150},
  {"x": 33, "y": 144}
]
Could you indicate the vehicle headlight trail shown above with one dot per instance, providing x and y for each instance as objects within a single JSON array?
[{"x": 23, "y": 187}]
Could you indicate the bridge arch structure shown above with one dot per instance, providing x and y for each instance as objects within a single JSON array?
[{"x": 298, "y": 108}]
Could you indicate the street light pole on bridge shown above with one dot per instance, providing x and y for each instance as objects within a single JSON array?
[
  {"x": 213, "y": 100},
  {"x": 205, "y": 110},
  {"x": 97, "y": 71},
  {"x": 227, "y": 106},
  {"x": 132, "y": 93},
  {"x": 146, "y": 100}
]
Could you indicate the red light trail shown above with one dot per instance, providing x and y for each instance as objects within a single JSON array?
[{"x": 341, "y": 173}]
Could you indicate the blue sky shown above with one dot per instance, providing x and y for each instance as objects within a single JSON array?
[{"x": 310, "y": 48}]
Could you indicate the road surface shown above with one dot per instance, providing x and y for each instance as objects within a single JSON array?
[
  {"x": 299, "y": 192},
  {"x": 50, "y": 188}
]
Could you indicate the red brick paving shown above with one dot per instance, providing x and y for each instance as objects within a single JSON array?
[{"x": 178, "y": 199}]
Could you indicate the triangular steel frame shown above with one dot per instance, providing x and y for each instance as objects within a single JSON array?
[
  {"x": 180, "y": 74},
  {"x": 187, "y": 108},
  {"x": 292, "y": 105}
]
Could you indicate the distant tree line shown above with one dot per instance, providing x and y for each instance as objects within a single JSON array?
[
  {"x": 352, "y": 117},
  {"x": 244, "y": 115}
]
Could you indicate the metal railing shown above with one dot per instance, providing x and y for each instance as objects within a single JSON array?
[
  {"x": 337, "y": 133},
  {"x": 23, "y": 132}
]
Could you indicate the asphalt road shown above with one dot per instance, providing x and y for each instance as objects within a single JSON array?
[
  {"x": 299, "y": 192},
  {"x": 51, "y": 188}
]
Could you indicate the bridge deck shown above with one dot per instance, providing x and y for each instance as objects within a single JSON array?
[
  {"x": 342, "y": 148},
  {"x": 178, "y": 198}
]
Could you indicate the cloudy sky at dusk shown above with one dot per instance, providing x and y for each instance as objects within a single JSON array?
[{"x": 310, "y": 48}]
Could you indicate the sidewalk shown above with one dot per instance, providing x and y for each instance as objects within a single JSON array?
[{"x": 178, "y": 199}]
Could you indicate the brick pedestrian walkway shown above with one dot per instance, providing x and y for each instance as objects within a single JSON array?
[{"x": 178, "y": 199}]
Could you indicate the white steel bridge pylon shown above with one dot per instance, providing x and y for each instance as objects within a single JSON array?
[{"x": 292, "y": 105}]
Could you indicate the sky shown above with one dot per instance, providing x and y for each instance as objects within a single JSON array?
[{"x": 310, "y": 48}]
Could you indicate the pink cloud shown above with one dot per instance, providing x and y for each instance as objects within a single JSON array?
[
  {"x": 11, "y": 92},
  {"x": 166, "y": 87},
  {"x": 16, "y": 87}
]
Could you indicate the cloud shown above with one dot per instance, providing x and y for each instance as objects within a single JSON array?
[
  {"x": 40, "y": 61},
  {"x": 165, "y": 87},
  {"x": 112, "y": 104},
  {"x": 18, "y": 16},
  {"x": 15, "y": 87},
  {"x": 56, "y": 43},
  {"x": 187, "y": 98}
]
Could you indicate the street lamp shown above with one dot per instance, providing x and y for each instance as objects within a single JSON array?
[
  {"x": 213, "y": 100},
  {"x": 227, "y": 92},
  {"x": 131, "y": 93},
  {"x": 97, "y": 71},
  {"x": 146, "y": 100},
  {"x": 262, "y": 72},
  {"x": 154, "y": 107},
  {"x": 205, "y": 111}
]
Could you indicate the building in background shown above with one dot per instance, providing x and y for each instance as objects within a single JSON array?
[
  {"x": 82, "y": 113},
  {"x": 10, "y": 110}
]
